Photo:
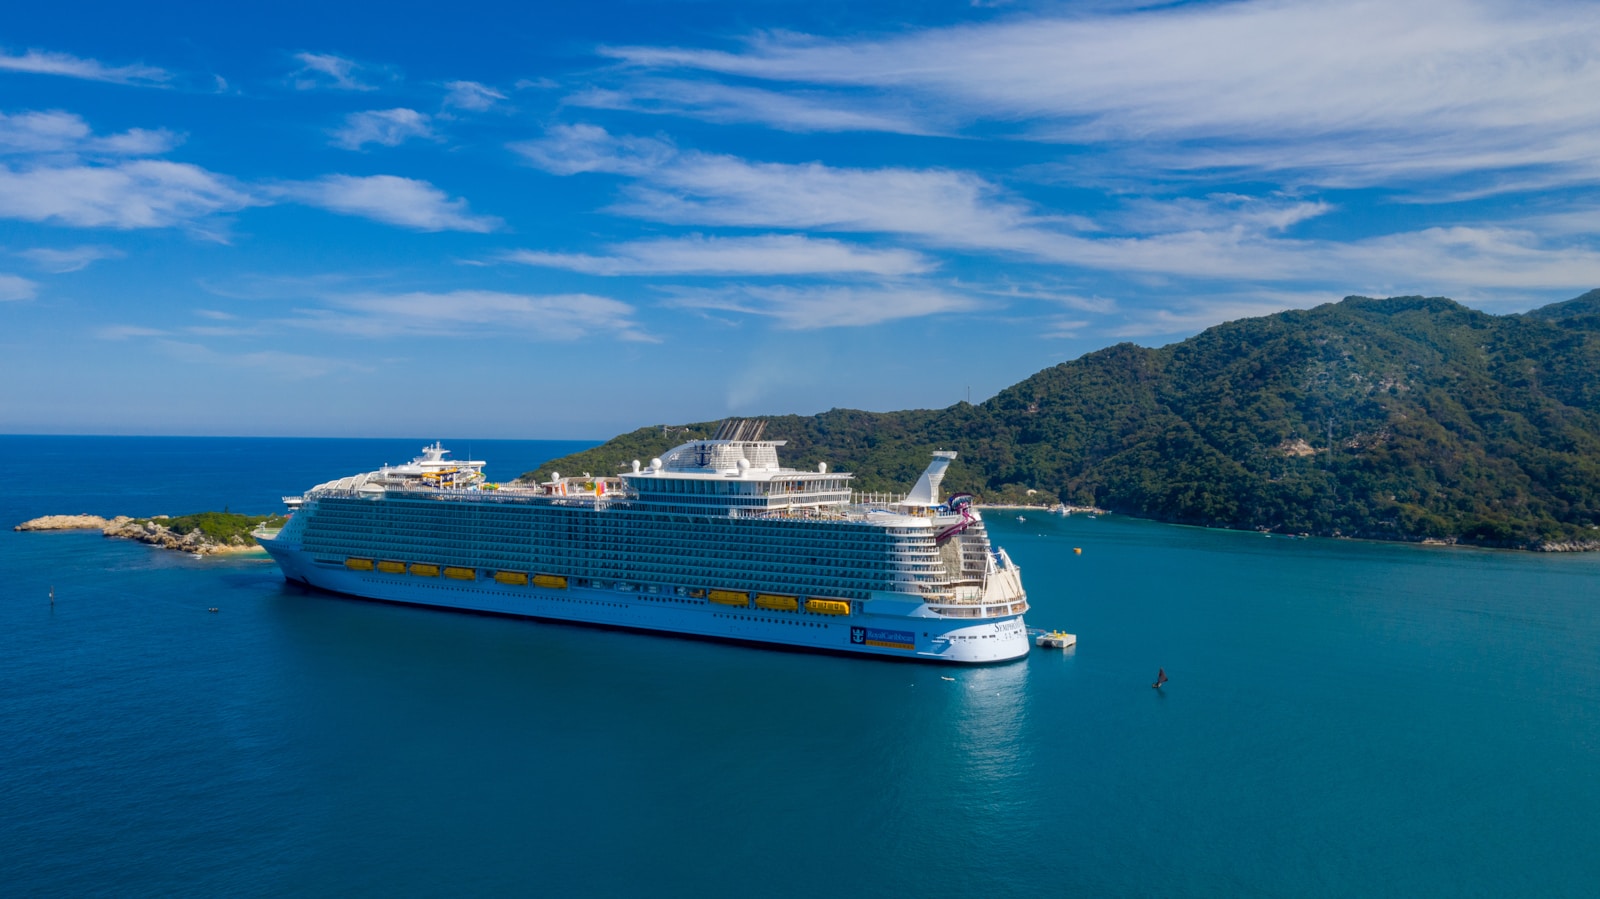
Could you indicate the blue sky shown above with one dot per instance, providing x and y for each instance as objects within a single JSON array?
[{"x": 562, "y": 221}]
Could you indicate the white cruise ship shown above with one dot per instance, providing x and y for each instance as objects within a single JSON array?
[{"x": 713, "y": 539}]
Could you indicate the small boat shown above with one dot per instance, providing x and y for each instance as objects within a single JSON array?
[
  {"x": 1161, "y": 678},
  {"x": 1056, "y": 640},
  {"x": 1020, "y": 518},
  {"x": 942, "y": 677}
]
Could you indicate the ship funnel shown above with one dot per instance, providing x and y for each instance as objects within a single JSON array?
[{"x": 926, "y": 491}]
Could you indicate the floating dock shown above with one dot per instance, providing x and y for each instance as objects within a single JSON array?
[{"x": 1055, "y": 639}]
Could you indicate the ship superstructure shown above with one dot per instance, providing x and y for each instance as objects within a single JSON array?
[{"x": 712, "y": 539}]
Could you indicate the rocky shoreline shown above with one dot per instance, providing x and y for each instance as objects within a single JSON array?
[{"x": 149, "y": 531}]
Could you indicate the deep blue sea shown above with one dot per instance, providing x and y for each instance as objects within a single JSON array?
[{"x": 1343, "y": 719}]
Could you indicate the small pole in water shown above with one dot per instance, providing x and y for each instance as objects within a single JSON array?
[{"x": 52, "y": 594}]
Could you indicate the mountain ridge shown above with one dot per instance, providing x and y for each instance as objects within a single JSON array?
[{"x": 1402, "y": 418}]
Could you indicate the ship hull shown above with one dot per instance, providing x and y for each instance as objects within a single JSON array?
[{"x": 933, "y": 639}]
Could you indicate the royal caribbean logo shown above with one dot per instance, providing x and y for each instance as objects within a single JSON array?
[{"x": 871, "y": 636}]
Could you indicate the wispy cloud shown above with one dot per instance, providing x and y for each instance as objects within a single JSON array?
[
  {"x": 277, "y": 363},
  {"x": 798, "y": 111},
  {"x": 1191, "y": 314},
  {"x": 55, "y": 132},
  {"x": 15, "y": 287},
  {"x": 325, "y": 70},
  {"x": 573, "y": 149},
  {"x": 127, "y": 332},
  {"x": 1356, "y": 92},
  {"x": 386, "y": 127},
  {"x": 701, "y": 188},
  {"x": 811, "y": 308},
  {"x": 474, "y": 313},
  {"x": 143, "y": 193},
  {"x": 1222, "y": 236},
  {"x": 72, "y": 259},
  {"x": 390, "y": 199},
  {"x": 41, "y": 62},
  {"x": 471, "y": 95},
  {"x": 769, "y": 254}
]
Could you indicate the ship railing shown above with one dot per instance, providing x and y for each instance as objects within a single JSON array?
[
  {"x": 807, "y": 513},
  {"x": 485, "y": 496},
  {"x": 946, "y": 609},
  {"x": 862, "y": 498}
]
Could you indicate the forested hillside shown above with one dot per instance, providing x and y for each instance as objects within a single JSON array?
[{"x": 1406, "y": 418}]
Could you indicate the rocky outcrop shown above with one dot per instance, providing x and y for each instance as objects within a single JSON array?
[
  {"x": 153, "y": 532},
  {"x": 145, "y": 530},
  {"x": 1568, "y": 546},
  {"x": 66, "y": 523}
]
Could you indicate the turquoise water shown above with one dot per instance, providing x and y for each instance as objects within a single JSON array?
[{"x": 1343, "y": 719}]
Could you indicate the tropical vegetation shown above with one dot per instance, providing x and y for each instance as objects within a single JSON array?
[{"x": 1408, "y": 418}]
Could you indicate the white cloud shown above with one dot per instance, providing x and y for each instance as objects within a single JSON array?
[
  {"x": 57, "y": 132},
  {"x": 1234, "y": 212},
  {"x": 787, "y": 111},
  {"x": 1457, "y": 259},
  {"x": 770, "y": 254},
  {"x": 1063, "y": 328},
  {"x": 1199, "y": 312},
  {"x": 14, "y": 287},
  {"x": 471, "y": 95},
  {"x": 1070, "y": 299},
  {"x": 319, "y": 70},
  {"x": 71, "y": 259},
  {"x": 703, "y": 188},
  {"x": 1223, "y": 236},
  {"x": 1355, "y": 92},
  {"x": 388, "y": 127},
  {"x": 41, "y": 62},
  {"x": 127, "y": 332},
  {"x": 144, "y": 193},
  {"x": 276, "y": 363},
  {"x": 826, "y": 307},
  {"x": 475, "y": 313},
  {"x": 571, "y": 149},
  {"x": 389, "y": 199}
]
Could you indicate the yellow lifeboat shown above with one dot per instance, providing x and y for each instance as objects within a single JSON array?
[
  {"x": 389, "y": 566},
  {"x": 461, "y": 574},
  {"x": 729, "y": 597},
  {"x": 777, "y": 602},
  {"x": 421, "y": 569},
  {"x": 358, "y": 564},
  {"x": 828, "y": 606},
  {"x": 519, "y": 578},
  {"x": 551, "y": 581}
]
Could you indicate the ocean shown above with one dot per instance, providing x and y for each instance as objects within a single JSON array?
[{"x": 1343, "y": 718}]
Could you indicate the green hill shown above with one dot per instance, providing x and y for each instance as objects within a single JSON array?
[{"x": 1406, "y": 418}]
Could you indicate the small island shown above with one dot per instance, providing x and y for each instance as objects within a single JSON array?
[{"x": 203, "y": 533}]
